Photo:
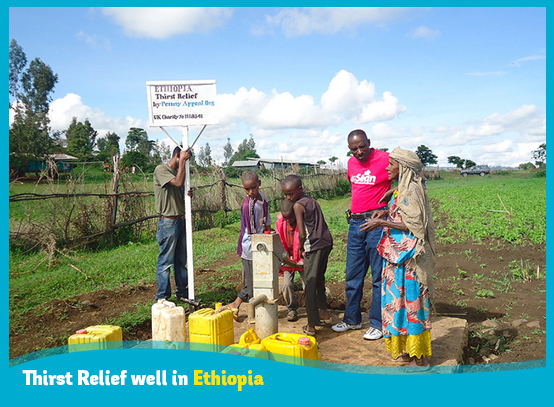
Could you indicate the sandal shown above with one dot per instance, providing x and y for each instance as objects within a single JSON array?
[
  {"x": 326, "y": 321},
  {"x": 307, "y": 331},
  {"x": 403, "y": 358}
]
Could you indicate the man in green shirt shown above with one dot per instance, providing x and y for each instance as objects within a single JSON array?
[{"x": 169, "y": 179}]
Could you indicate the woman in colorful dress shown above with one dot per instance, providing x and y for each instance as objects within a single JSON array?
[{"x": 408, "y": 249}]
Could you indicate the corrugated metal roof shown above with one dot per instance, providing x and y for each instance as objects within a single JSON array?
[
  {"x": 245, "y": 164},
  {"x": 59, "y": 156},
  {"x": 279, "y": 161}
]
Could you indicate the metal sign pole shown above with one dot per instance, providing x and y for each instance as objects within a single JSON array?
[
  {"x": 197, "y": 109},
  {"x": 168, "y": 135},
  {"x": 188, "y": 218}
]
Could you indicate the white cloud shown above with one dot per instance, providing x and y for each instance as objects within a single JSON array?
[
  {"x": 286, "y": 111},
  {"x": 94, "y": 41},
  {"x": 302, "y": 120},
  {"x": 265, "y": 144},
  {"x": 527, "y": 123},
  {"x": 381, "y": 131},
  {"x": 503, "y": 155},
  {"x": 536, "y": 57},
  {"x": 425, "y": 32},
  {"x": 501, "y": 147},
  {"x": 499, "y": 139},
  {"x": 346, "y": 99},
  {"x": 384, "y": 136},
  {"x": 241, "y": 106},
  {"x": 381, "y": 110},
  {"x": 311, "y": 146},
  {"x": 328, "y": 20},
  {"x": 71, "y": 105},
  {"x": 527, "y": 119},
  {"x": 63, "y": 110},
  {"x": 345, "y": 94},
  {"x": 504, "y": 139},
  {"x": 165, "y": 22},
  {"x": 11, "y": 113},
  {"x": 303, "y": 127}
]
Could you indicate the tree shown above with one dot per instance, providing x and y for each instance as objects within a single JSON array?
[
  {"x": 30, "y": 88},
  {"x": 113, "y": 143},
  {"x": 469, "y": 164},
  {"x": 321, "y": 162},
  {"x": 246, "y": 149},
  {"x": 227, "y": 153},
  {"x": 138, "y": 148},
  {"x": 539, "y": 155},
  {"x": 18, "y": 60},
  {"x": 204, "y": 158},
  {"x": 81, "y": 139},
  {"x": 425, "y": 155},
  {"x": 131, "y": 158},
  {"x": 333, "y": 159},
  {"x": 526, "y": 166},
  {"x": 107, "y": 146},
  {"x": 137, "y": 140},
  {"x": 457, "y": 161},
  {"x": 163, "y": 151},
  {"x": 460, "y": 162},
  {"x": 250, "y": 144}
]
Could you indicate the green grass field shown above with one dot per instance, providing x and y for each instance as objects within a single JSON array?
[
  {"x": 510, "y": 208},
  {"x": 505, "y": 207}
]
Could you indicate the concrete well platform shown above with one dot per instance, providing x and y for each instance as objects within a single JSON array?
[{"x": 448, "y": 337}]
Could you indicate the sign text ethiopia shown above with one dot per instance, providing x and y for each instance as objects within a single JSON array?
[{"x": 182, "y": 103}]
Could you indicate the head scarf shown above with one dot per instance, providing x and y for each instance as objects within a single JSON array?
[{"x": 414, "y": 206}]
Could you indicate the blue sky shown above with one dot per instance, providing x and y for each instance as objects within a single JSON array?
[{"x": 469, "y": 82}]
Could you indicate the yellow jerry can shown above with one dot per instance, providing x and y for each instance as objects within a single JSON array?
[
  {"x": 253, "y": 350},
  {"x": 207, "y": 327},
  {"x": 249, "y": 337},
  {"x": 96, "y": 337},
  {"x": 289, "y": 344}
]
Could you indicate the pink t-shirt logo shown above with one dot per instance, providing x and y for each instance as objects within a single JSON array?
[{"x": 366, "y": 178}]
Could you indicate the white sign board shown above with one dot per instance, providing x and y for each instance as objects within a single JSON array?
[{"x": 182, "y": 103}]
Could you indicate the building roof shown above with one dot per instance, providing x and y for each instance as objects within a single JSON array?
[
  {"x": 60, "y": 156},
  {"x": 245, "y": 163},
  {"x": 55, "y": 156},
  {"x": 279, "y": 161}
]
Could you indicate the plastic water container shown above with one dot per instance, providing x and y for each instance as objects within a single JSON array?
[
  {"x": 207, "y": 327},
  {"x": 288, "y": 344},
  {"x": 249, "y": 337},
  {"x": 96, "y": 337},
  {"x": 168, "y": 323},
  {"x": 253, "y": 350}
]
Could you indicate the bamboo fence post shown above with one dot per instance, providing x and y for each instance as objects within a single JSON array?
[
  {"x": 115, "y": 188},
  {"x": 223, "y": 188}
]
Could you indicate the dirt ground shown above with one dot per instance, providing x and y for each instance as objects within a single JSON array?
[{"x": 506, "y": 317}]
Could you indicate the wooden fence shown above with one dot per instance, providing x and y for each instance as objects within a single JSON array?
[{"x": 124, "y": 213}]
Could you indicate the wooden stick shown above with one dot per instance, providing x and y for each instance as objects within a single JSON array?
[
  {"x": 80, "y": 271},
  {"x": 507, "y": 211}
]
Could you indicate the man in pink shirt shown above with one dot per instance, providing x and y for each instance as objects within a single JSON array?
[{"x": 370, "y": 181}]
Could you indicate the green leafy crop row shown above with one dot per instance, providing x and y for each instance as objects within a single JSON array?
[{"x": 509, "y": 209}]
